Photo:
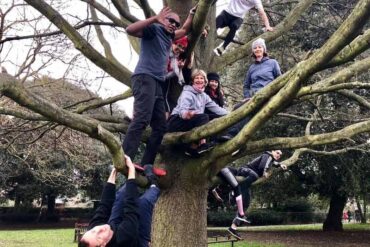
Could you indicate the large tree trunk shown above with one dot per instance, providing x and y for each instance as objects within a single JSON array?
[
  {"x": 364, "y": 218},
  {"x": 51, "y": 204},
  {"x": 180, "y": 217},
  {"x": 333, "y": 220}
]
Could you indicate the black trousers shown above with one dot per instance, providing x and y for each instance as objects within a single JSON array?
[
  {"x": 226, "y": 20},
  {"x": 148, "y": 109},
  {"x": 177, "y": 124}
]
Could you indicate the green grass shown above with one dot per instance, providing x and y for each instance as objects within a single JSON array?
[
  {"x": 37, "y": 238},
  {"x": 245, "y": 244},
  {"x": 308, "y": 227},
  {"x": 64, "y": 237}
]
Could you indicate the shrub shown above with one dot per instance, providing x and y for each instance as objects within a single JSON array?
[
  {"x": 220, "y": 218},
  {"x": 260, "y": 217}
]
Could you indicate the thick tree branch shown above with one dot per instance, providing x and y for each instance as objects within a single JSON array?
[
  {"x": 119, "y": 22},
  {"x": 102, "y": 39},
  {"x": 310, "y": 140},
  {"x": 11, "y": 88},
  {"x": 199, "y": 22},
  {"x": 102, "y": 102},
  {"x": 123, "y": 11},
  {"x": 356, "y": 47},
  {"x": 117, "y": 71},
  {"x": 339, "y": 77},
  {"x": 296, "y": 155},
  {"x": 361, "y": 100}
]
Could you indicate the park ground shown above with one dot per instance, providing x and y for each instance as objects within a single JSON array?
[{"x": 265, "y": 236}]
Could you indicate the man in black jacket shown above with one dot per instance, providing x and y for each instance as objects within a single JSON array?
[
  {"x": 251, "y": 172},
  {"x": 123, "y": 218}
]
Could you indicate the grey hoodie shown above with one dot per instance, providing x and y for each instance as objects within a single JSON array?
[{"x": 191, "y": 100}]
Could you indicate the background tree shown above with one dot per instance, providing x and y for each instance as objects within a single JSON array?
[{"x": 180, "y": 212}]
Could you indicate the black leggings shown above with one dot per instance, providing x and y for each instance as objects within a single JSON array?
[
  {"x": 176, "y": 123},
  {"x": 227, "y": 20}
]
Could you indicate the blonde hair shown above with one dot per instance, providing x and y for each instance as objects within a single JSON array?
[{"x": 197, "y": 72}]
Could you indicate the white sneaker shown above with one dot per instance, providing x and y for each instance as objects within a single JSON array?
[{"x": 219, "y": 50}]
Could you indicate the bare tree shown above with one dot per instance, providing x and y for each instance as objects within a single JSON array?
[{"x": 181, "y": 210}]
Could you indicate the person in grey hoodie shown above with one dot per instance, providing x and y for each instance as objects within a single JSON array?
[{"x": 189, "y": 112}]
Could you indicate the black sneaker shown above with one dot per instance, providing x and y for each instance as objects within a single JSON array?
[
  {"x": 242, "y": 219},
  {"x": 225, "y": 138},
  {"x": 234, "y": 233},
  {"x": 205, "y": 147},
  {"x": 149, "y": 174},
  {"x": 192, "y": 152}
]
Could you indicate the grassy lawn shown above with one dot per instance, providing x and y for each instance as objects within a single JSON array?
[
  {"x": 308, "y": 227},
  {"x": 37, "y": 238},
  {"x": 64, "y": 237},
  {"x": 245, "y": 244}
]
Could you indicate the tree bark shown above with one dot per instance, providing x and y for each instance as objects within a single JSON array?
[
  {"x": 180, "y": 217},
  {"x": 333, "y": 221}
]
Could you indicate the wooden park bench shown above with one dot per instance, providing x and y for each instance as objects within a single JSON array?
[
  {"x": 222, "y": 239},
  {"x": 80, "y": 229}
]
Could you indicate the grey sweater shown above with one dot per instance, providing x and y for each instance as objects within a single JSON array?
[{"x": 191, "y": 100}]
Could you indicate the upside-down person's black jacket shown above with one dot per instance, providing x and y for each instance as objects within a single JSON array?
[
  {"x": 127, "y": 232},
  {"x": 262, "y": 163}
]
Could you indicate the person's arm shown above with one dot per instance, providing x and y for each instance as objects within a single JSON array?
[
  {"x": 108, "y": 196},
  {"x": 247, "y": 85},
  {"x": 187, "y": 25},
  {"x": 265, "y": 19},
  {"x": 213, "y": 107},
  {"x": 276, "y": 71},
  {"x": 128, "y": 230},
  {"x": 186, "y": 102},
  {"x": 136, "y": 29}
]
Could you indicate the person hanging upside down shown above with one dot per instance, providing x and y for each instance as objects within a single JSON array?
[
  {"x": 251, "y": 172},
  {"x": 123, "y": 218}
]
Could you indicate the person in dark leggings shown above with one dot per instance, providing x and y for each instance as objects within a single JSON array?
[
  {"x": 123, "y": 218},
  {"x": 251, "y": 172},
  {"x": 157, "y": 34},
  {"x": 232, "y": 17}
]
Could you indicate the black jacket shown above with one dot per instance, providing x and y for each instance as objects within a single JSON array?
[
  {"x": 127, "y": 232},
  {"x": 262, "y": 163}
]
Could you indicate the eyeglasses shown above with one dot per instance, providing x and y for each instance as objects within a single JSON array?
[{"x": 173, "y": 22}]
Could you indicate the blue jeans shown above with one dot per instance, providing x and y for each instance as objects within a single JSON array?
[{"x": 146, "y": 205}]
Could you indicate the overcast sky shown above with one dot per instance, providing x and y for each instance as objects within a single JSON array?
[{"x": 121, "y": 49}]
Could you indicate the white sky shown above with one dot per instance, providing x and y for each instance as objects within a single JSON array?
[{"x": 120, "y": 46}]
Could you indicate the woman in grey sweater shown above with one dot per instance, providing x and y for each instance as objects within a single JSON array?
[{"x": 189, "y": 112}]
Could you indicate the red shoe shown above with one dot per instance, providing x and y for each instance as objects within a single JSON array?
[{"x": 156, "y": 170}]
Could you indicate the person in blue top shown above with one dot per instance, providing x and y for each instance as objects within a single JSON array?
[
  {"x": 157, "y": 34},
  {"x": 123, "y": 218},
  {"x": 262, "y": 72}
]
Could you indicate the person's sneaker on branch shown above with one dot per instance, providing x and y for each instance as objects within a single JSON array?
[
  {"x": 149, "y": 174},
  {"x": 224, "y": 138},
  {"x": 205, "y": 147},
  {"x": 234, "y": 233},
  {"x": 242, "y": 219}
]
